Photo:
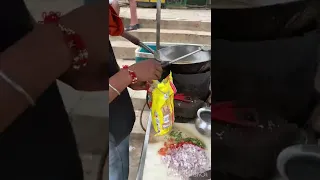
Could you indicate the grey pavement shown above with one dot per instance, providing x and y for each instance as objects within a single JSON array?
[{"x": 170, "y": 14}]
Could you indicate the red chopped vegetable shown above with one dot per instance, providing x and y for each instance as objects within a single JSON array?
[
  {"x": 163, "y": 151},
  {"x": 172, "y": 146}
]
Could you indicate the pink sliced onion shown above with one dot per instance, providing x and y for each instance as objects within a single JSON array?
[{"x": 186, "y": 161}]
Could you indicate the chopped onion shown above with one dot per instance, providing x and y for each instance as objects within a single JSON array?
[{"x": 186, "y": 161}]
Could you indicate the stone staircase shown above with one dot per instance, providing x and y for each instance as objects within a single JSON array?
[
  {"x": 172, "y": 31},
  {"x": 177, "y": 26}
]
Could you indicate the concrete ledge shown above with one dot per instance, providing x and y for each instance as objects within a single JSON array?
[
  {"x": 169, "y": 35},
  {"x": 170, "y": 14},
  {"x": 173, "y": 24},
  {"x": 123, "y": 49}
]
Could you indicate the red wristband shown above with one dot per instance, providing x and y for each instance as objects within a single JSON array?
[
  {"x": 73, "y": 40},
  {"x": 132, "y": 74}
]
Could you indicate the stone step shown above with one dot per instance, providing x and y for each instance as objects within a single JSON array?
[
  {"x": 187, "y": 19},
  {"x": 169, "y": 35},
  {"x": 123, "y": 49},
  {"x": 192, "y": 25}
]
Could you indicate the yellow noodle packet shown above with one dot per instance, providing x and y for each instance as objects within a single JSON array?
[{"x": 161, "y": 103}]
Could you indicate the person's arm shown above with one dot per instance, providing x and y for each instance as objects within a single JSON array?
[
  {"x": 145, "y": 71},
  {"x": 119, "y": 81},
  {"x": 33, "y": 62},
  {"x": 42, "y": 56}
]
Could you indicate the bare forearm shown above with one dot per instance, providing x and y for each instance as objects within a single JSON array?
[
  {"x": 34, "y": 63},
  {"x": 119, "y": 81}
]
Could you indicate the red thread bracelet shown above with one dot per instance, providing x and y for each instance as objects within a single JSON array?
[
  {"x": 132, "y": 74},
  {"x": 73, "y": 40}
]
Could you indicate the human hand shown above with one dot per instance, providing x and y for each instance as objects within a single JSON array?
[
  {"x": 147, "y": 70},
  {"x": 91, "y": 23},
  {"x": 140, "y": 86}
]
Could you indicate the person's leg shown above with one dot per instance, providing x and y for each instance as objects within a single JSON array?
[
  {"x": 118, "y": 159},
  {"x": 134, "y": 24},
  {"x": 115, "y": 5}
]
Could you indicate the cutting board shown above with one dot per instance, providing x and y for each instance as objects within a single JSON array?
[{"x": 154, "y": 169}]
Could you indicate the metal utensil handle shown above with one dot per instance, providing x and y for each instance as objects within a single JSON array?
[
  {"x": 131, "y": 38},
  {"x": 158, "y": 19},
  {"x": 184, "y": 56},
  {"x": 144, "y": 46},
  {"x": 137, "y": 42}
]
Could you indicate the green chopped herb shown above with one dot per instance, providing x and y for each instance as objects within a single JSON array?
[
  {"x": 179, "y": 138},
  {"x": 195, "y": 141}
]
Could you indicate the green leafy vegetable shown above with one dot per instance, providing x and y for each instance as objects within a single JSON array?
[{"x": 177, "y": 135}]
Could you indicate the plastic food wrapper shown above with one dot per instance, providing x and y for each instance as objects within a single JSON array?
[{"x": 161, "y": 103}]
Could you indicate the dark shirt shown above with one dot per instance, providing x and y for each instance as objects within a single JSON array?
[
  {"x": 121, "y": 112},
  {"x": 40, "y": 143}
]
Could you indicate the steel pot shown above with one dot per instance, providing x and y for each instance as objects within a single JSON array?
[
  {"x": 193, "y": 64},
  {"x": 203, "y": 121},
  {"x": 199, "y": 62},
  {"x": 299, "y": 162}
]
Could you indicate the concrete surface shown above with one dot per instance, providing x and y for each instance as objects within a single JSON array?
[
  {"x": 123, "y": 49},
  {"x": 170, "y": 14},
  {"x": 172, "y": 24},
  {"x": 91, "y": 161},
  {"x": 136, "y": 143},
  {"x": 171, "y": 35},
  {"x": 91, "y": 135},
  {"x": 195, "y": 20}
]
